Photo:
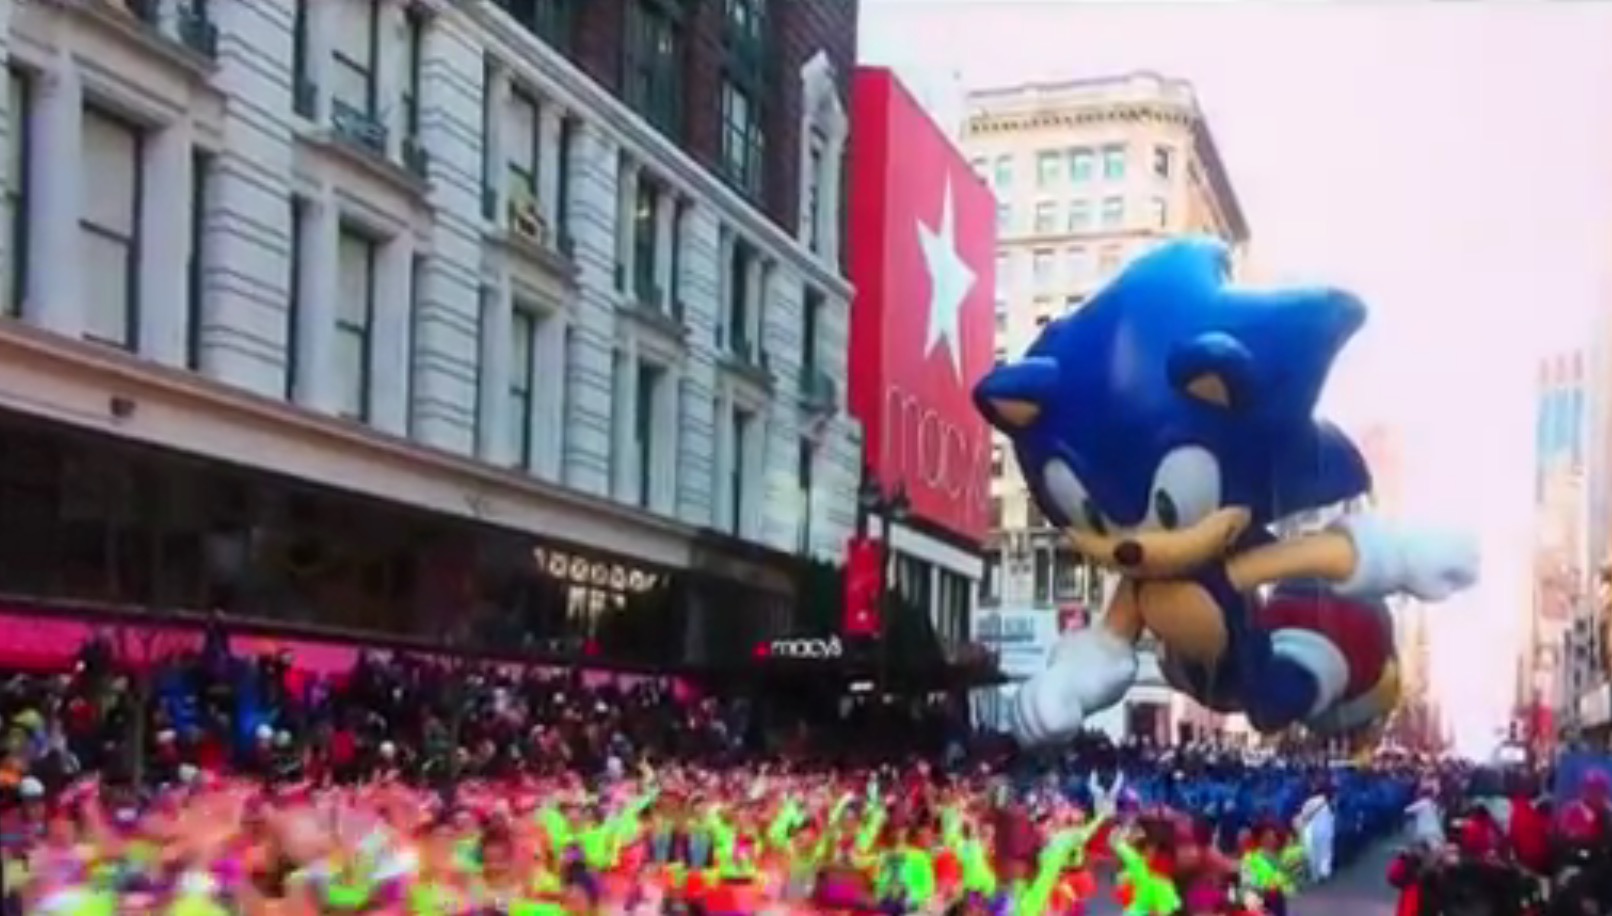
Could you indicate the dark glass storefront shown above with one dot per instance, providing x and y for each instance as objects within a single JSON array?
[{"x": 87, "y": 518}]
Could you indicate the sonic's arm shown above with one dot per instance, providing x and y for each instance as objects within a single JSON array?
[{"x": 1363, "y": 555}]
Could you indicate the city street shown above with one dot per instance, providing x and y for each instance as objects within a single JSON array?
[{"x": 1359, "y": 891}]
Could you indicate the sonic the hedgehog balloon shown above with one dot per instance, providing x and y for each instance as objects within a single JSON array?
[{"x": 1166, "y": 426}]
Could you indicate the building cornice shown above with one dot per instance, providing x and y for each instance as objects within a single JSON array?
[
  {"x": 577, "y": 91},
  {"x": 985, "y": 123},
  {"x": 1076, "y": 115}
]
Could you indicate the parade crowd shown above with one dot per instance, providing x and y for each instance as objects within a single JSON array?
[{"x": 212, "y": 783}]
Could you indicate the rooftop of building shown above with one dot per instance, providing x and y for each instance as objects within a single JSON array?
[{"x": 1138, "y": 87}]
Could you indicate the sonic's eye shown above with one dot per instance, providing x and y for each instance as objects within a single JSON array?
[
  {"x": 1093, "y": 517},
  {"x": 1186, "y": 488},
  {"x": 1069, "y": 497},
  {"x": 1164, "y": 510}
]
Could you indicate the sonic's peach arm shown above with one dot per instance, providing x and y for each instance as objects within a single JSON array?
[
  {"x": 1329, "y": 555},
  {"x": 1365, "y": 556}
]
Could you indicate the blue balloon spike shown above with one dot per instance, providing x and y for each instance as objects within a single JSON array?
[{"x": 1111, "y": 381}]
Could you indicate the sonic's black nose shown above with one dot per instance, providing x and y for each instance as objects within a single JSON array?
[{"x": 1128, "y": 553}]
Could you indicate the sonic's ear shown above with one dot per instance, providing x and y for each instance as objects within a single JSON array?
[
  {"x": 1215, "y": 369},
  {"x": 1013, "y": 395}
]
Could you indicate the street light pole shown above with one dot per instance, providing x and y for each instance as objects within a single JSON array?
[{"x": 891, "y": 508}]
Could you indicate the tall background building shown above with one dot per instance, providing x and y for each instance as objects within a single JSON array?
[
  {"x": 1560, "y": 651},
  {"x": 1087, "y": 174},
  {"x": 1418, "y": 722},
  {"x": 524, "y": 319}
]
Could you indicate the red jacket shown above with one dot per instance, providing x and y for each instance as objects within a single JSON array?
[{"x": 1530, "y": 835}]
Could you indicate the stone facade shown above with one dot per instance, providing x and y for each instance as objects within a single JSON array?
[{"x": 250, "y": 102}]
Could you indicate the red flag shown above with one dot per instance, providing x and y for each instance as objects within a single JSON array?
[{"x": 863, "y": 586}]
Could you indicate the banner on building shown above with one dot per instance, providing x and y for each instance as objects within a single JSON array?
[{"x": 864, "y": 585}]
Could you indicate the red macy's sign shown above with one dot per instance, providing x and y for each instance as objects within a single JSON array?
[{"x": 922, "y": 253}]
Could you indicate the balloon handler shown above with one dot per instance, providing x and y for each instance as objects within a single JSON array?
[{"x": 1167, "y": 426}]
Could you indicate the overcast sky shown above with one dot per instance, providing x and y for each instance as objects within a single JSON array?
[{"x": 1451, "y": 163}]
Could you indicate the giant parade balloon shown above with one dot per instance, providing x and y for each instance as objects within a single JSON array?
[{"x": 1167, "y": 427}]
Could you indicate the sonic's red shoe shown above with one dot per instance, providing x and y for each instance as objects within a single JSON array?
[{"x": 1361, "y": 631}]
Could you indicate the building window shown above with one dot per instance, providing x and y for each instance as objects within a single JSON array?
[
  {"x": 996, "y": 512},
  {"x": 991, "y": 582},
  {"x": 1158, "y": 213},
  {"x": 355, "y": 313},
  {"x": 1079, "y": 216},
  {"x": 1041, "y": 321},
  {"x": 1046, "y": 218},
  {"x": 414, "y": 44},
  {"x": 1004, "y": 172},
  {"x": 998, "y": 457},
  {"x": 1068, "y": 576},
  {"x": 1113, "y": 162},
  {"x": 554, "y": 21},
  {"x": 981, "y": 167},
  {"x": 645, "y": 242},
  {"x": 811, "y": 319},
  {"x": 1163, "y": 162},
  {"x": 109, "y": 229},
  {"x": 649, "y": 382},
  {"x": 14, "y": 223},
  {"x": 522, "y": 377},
  {"x": 1047, "y": 170},
  {"x": 739, "y": 304},
  {"x": 562, "y": 190},
  {"x": 1043, "y": 576},
  {"x": 1004, "y": 218},
  {"x": 201, "y": 170},
  {"x": 353, "y": 48},
  {"x": 293, "y": 311},
  {"x": 1004, "y": 274},
  {"x": 524, "y": 151},
  {"x": 1108, "y": 258},
  {"x": 653, "y": 61},
  {"x": 741, "y": 138},
  {"x": 741, "y": 440},
  {"x": 803, "y": 476},
  {"x": 1041, "y": 269},
  {"x": 1113, "y": 212},
  {"x": 1078, "y": 263},
  {"x": 303, "y": 90},
  {"x": 1082, "y": 165}
]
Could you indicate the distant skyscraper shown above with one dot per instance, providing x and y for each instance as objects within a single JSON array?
[
  {"x": 1381, "y": 446},
  {"x": 1546, "y": 686}
]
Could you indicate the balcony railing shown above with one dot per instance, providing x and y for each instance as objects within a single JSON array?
[
  {"x": 358, "y": 127},
  {"x": 197, "y": 31}
]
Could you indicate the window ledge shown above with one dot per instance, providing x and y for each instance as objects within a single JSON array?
[
  {"x": 393, "y": 173},
  {"x": 547, "y": 257},
  {"x": 656, "y": 321},
  {"x": 117, "y": 18},
  {"x": 754, "y": 377}
]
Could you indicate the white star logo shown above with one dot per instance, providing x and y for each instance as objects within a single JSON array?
[{"x": 950, "y": 281}]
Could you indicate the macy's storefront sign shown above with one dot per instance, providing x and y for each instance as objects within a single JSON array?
[
  {"x": 804, "y": 648},
  {"x": 943, "y": 457}
]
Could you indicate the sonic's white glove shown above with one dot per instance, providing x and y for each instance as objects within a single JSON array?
[
  {"x": 1091, "y": 670},
  {"x": 1426, "y": 565}
]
